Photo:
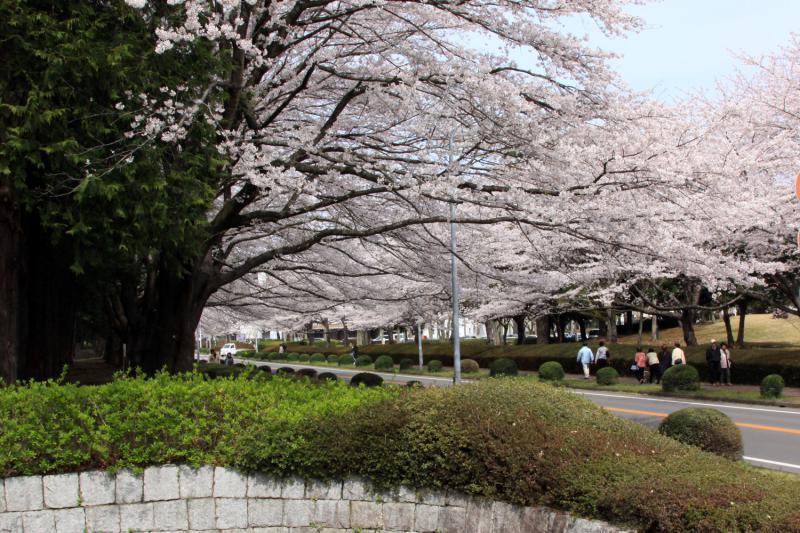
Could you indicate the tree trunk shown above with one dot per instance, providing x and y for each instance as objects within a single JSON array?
[
  {"x": 641, "y": 327},
  {"x": 519, "y": 320},
  {"x": 346, "y": 340},
  {"x": 560, "y": 324},
  {"x": 494, "y": 332},
  {"x": 726, "y": 318},
  {"x": 504, "y": 323},
  {"x": 742, "y": 306},
  {"x": 582, "y": 326},
  {"x": 390, "y": 333},
  {"x": 687, "y": 325},
  {"x": 611, "y": 326},
  {"x": 543, "y": 329},
  {"x": 326, "y": 328},
  {"x": 628, "y": 322},
  {"x": 10, "y": 282},
  {"x": 653, "y": 328}
]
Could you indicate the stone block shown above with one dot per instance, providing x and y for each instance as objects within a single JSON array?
[
  {"x": 202, "y": 514},
  {"x": 196, "y": 482},
  {"x": 24, "y": 493},
  {"x": 60, "y": 491},
  {"x": 398, "y": 516},
  {"x": 431, "y": 497},
  {"x": 426, "y": 518},
  {"x": 263, "y": 486},
  {"x": 170, "y": 515},
  {"x": 231, "y": 512},
  {"x": 332, "y": 513},
  {"x": 507, "y": 518},
  {"x": 102, "y": 519},
  {"x": 2, "y": 497},
  {"x": 229, "y": 483},
  {"x": 293, "y": 488},
  {"x": 581, "y": 525},
  {"x": 161, "y": 483},
  {"x": 136, "y": 517},
  {"x": 365, "y": 515},
  {"x": 456, "y": 499},
  {"x": 406, "y": 495},
  {"x": 11, "y": 522},
  {"x": 356, "y": 489},
  {"x": 324, "y": 490},
  {"x": 298, "y": 512},
  {"x": 38, "y": 522},
  {"x": 130, "y": 487},
  {"x": 478, "y": 518},
  {"x": 262, "y": 512},
  {"x": 452, "y": 518},
  {"x": 97, "y": 488},
  {"x": 70, "y": 520},
  {"x": 537, "y": 520},
  {"x": 278, "y": 529}
]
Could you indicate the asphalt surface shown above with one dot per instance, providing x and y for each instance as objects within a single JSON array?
[{"x": 771, "y": 435}]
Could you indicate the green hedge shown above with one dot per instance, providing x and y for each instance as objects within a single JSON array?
[
  {"x": 772, "y": 386},
  {"x": 708, "y": 429},
  {"x": 317, "y": 358},
  {"x": 384, "y": 362},
  {"x": 680, "y": 377},
  {"x": 345, "y": 359},
  {"x": 406, "y": 363},
  {"x": 510, "y": 440},
  {"x": 434, "y": 365},
  {"x": 469, "y": 366},
  {"x": 607, "y": 376},
  {"x": 363, "y": 360},
  {"x": 551, "y": 371},
  {"x": 503, "y": 367}
]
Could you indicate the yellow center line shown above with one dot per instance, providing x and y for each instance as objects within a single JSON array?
[{"x": 740, "y": 424}]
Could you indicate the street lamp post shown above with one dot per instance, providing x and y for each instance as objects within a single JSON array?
[{"x": 454, "y": 275}]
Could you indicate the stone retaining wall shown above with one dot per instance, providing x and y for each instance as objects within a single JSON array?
[{"x": 180, "y": 498}]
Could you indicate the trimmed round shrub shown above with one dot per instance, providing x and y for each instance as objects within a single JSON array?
[
  {"x": 406, "y": 363},
  {"x": 293, "y": 356},
  {"x": 327, "y": 376},
  {"x": 469, "y": 366},
  {"x": 551, "y": 371},
  {"x": 607, "y": 376},
  {"x": 434, "y": 365},
  {"x": 317, "y": 358},
  {"x": 772, "y": 386},
  {"x": 504, "y": 367},
  {"x": 345, "y": 359},
  {"x": 413, "y": 383},
  {"x": 265, "y": 369},
  {"x": 680, "y": 377},
  {"x": 284, "y": 371},
  {"x": 708, "y": 429},
  {"x": 384, "y": 362},
  {"x": 334, "y": 358},
  {"x": 304, "y": 357},
  {"x": 276, "y": 356},
  {"x": 367, "y": 379},
  {"x": 363, "y": 360},
  {"x": 309, "y": 373}
]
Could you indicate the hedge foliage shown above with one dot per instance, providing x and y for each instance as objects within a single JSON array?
[
  {"x": 345, "y": 359},
  {"x": 293, "y": 356},
  {"x": 384, "y": 362},
  {"x": 708, "y": 429},
  {"x": 772, "y": 386},
  {"x": 503, "y": 367},
  {"x": 367, "y": 379},
  {"x": 512, "y": 440},
  {"x": 434, "y": 365},
  {"x": 551, "y": 371},
  {"x": 363, "y": 360},
  {"x": 469, "y": 366},
  {"x": 327, "y": 376},
  {"x": 334, "y": 358},
  {"x": 680, "y": 377},
  {"x": 406, "y": 363},
  {"x": 607, "y": 376},
  {"x": 317, "y": 358}
]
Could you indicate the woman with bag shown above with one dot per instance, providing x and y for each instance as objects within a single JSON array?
[{"x": 725, "y": 364}]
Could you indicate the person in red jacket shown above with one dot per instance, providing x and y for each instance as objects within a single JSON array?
[{"x": 641, "y": 362}]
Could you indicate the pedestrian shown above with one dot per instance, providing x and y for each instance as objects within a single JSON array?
[
  {"x": 229, "y": 359},
  {"x": 640, "y": 359},
  {"x": 602, "y": 356},
  {"x": 585, "y": 358},
  {"x": 354, "y": 353},
  {"x": 213, "y": 357},
  {"x": 655, "y": 367},
  {"x": 725, "y": 363},
  {"x": 664, "y": 358},
  {"x": 713, "y": 357},
  {"x": 282, "y": 348},
  {"x": 678, "y": 357}
]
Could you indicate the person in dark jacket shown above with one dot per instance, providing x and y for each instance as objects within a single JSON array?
[
  {"x": 665, "y": 357},
  {"x": 713, "y": 357}
]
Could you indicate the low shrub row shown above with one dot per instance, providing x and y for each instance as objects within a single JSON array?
[{"x": 510, "y": 440}]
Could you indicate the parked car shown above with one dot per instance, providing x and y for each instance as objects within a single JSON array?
[
  {"x": 227, "y": 349},
  {"x": 593, "y": 333}
]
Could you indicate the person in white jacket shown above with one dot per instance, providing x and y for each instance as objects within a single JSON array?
[
  {"x": 585, "y": 358},
  {"x": 678, "y": 357}
]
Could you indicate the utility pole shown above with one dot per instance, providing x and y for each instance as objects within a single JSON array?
[{"x": 454, "y": 276}]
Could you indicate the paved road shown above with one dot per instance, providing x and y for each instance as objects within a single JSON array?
[{"x": 771, "y": 434}]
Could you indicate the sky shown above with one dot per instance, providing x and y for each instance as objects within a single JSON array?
[{"x": 687, "y": 45}]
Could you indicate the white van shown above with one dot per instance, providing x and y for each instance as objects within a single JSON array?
[{"x": 229, "y": 348}]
